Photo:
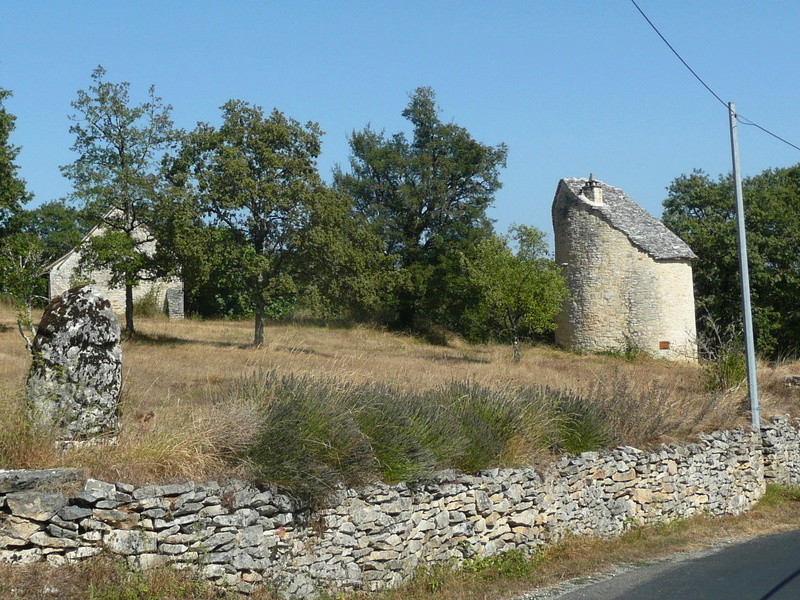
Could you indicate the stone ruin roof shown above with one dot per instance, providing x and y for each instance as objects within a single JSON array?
[{"x": 623, "y": 213}]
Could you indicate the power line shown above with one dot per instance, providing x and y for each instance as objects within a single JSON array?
[
  {"x": 745, "y": 121},
  {"x": 680, "y": 58},
  {"x": 739, "y": 117}
]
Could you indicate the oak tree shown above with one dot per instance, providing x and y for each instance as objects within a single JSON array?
[
  {"x": 426, "y": 196},
  {"x": 117, "y": 178},
  {"x": 520, "y": 292},
  {"x": 255, "y": 179},
  {"x": 702, "y": 211},
  {"x": 12, "y": 188}
]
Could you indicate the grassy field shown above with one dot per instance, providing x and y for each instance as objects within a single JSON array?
[
  {"x": 181, "y": 420},
  {"x": 187, "y": 413}
]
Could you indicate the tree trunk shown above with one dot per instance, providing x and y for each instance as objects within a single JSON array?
[
  {"x": 129, "y": 310},
  {"x": 258, "y": 338}
]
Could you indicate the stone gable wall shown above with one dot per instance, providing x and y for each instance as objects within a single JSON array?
[
  {"x": 237, "y": 534},
  {"x": 620, "y": 296},
  {"x": 168, "y": 292}
]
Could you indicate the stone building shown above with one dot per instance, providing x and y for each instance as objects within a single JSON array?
[
  {"x": 64, "y": 273},
  {"x": 629, "y": 277}
]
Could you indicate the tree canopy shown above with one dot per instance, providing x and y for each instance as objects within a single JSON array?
[
  {"x": 12, "y": 188},
  {"x": 117, "y": 177},
  {"x": 702, "y": 211},
  {"x": 241, "y": 212},
  {"x": 58, "y": 226},
  {"x": 20, "y": 253},
  {"x": 426, "y": 197},
  {"x": 255, "y": 178},
  {"x": 520, "y": 292}
]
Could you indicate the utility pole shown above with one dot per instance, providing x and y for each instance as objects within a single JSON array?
[{"x": 749, "y": 347}]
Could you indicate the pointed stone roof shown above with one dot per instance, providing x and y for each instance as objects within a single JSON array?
[{"x": 622, "y": 212}]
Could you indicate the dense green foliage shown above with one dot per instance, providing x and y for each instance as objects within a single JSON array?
[
  {"x": 12, "y": 188},
  {"x": 519, "y": 293},
  {"x": 240, "y": 212},
  {"x": 702, "y": 211},
  {"x": 21, "y": 262},
  {"x": 117, "y": 178},
  {"x": 427, "y": 197},
  {"x": 316, "y": 433},
  {"x": 312, "y": 434},
  {"x": 255, "y": 178},
  {"x": 21, "y": 254},
  {"x": 58, "y": 226}
]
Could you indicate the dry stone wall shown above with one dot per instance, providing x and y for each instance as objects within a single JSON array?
[
  {"x": 781, "y": 440},
  {"x": 239, "y": 535}
]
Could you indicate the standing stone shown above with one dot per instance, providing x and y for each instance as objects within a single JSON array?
[{"x": 76, "y": 377}]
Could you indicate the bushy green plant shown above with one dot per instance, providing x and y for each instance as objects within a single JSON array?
[
  {"x": 499, "y": 427},
  {"x": 778, "y": 494},
  {"x": 512, "y": 565},
  {"x": 581, "y": 423},
  {"x": 725, "y": 370},
  {"x": 147, "y": 306},
  {"x": 628, "y": 350},
  {"x": 722, "y": 355},
  {"x": 410, "y": 435},
  {"x": 316, "y": 433},
  {"x": 308, "y": 440}
]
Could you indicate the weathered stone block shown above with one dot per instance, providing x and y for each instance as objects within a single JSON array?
[
  {"x": 75, "y": 380},
  {"x": 19, "y": 480},
  {"x": 37, "y": 506},
  {"x": 129, "y": 542}
]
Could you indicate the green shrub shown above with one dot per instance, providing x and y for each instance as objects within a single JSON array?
[
  {"x": 501, "y": 428},
  {"x": 308, "y": 440},
  {"x": 628, "y": 350},
  {"x": 726, "y": 369},
  {"x": 511, "y": 565},
  {"x": 314, "y": 434},
  {"x": 147, "y": 306},
  {"x": 722, "y": 355},
  {"x": 581, "y": 423},
  {"x": 775, "y": 495},
  {"x": 410, "y": 435}
]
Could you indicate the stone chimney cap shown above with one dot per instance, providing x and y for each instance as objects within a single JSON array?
[{"x": 593, "y": 190}]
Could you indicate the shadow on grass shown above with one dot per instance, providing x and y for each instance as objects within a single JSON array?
[
  {"x": 161, "y": 339},
  {"x": 323, "y": 323},
  {"x": 460, "y": 359},
  {"x": 298, "y": 350}
]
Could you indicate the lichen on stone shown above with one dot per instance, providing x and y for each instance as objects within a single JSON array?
[{"x": 75, "y": 378}]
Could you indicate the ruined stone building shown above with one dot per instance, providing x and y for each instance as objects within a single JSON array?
[
  {"x": 64, "y": 273},
  {"x": 629, "y": 277}
]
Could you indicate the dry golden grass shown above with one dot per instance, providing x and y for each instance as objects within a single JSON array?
[
  {"x": 172, "y": 428},
  {"x": 108, "y": 578}
]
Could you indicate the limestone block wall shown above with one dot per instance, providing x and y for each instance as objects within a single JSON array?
[
  {"x": 237, "y": 534},
  {"x": 781, "y": 440},
  {"x": 168, "y": 292},
  {"x": 619, "y": 295}
]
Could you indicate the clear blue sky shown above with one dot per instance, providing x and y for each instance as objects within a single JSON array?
[{"x": 571, "y": 86}]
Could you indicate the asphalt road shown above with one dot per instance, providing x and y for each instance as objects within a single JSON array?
[{"x": 765, "y": 568}]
